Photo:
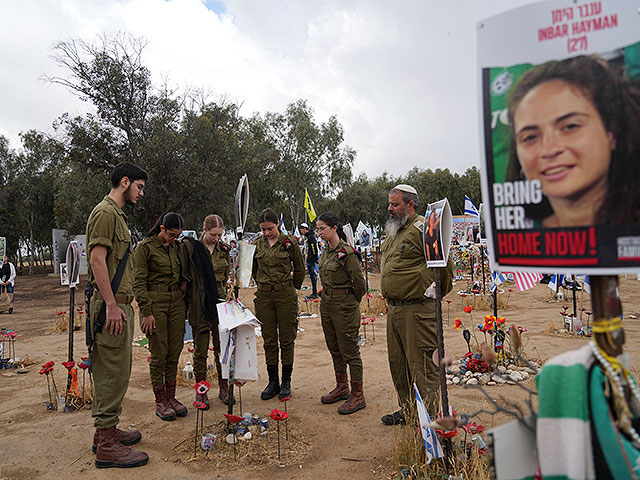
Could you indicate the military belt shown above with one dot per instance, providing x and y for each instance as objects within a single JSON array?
[
  {"x": 399, "y": 303},
  {"x": 163, "y": 288},
  {"x": 337, "y": 291},
  {"x": 270, "y": 287},
  {"x": 124, "y": 299}
]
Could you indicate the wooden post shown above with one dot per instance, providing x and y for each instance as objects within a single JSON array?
[
  {"x": 606, "y": 304},
  {"x": 443, "y": 374}
]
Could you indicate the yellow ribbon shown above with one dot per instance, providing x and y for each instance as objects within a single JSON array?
[{"x": 607, "y": 325}]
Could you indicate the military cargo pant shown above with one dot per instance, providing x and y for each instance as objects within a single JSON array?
[
  {"x": 111, "y": 366},
  {"x": 411, "y": 341},
  {"x": 278, "y": 313},
  {"x": 340, "y": 324},
  {"x": 167, "y": 339},
  {"x": 201, "y": 351}
]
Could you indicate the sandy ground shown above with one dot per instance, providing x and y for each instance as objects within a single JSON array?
[{"x": 40, "y": 444}]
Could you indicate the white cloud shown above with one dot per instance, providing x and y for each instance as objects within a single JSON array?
[{"x": 400, "y": 76}]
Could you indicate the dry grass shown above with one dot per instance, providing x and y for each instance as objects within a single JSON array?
[
  {"x": 410, "y": 458},
  {"x": 252, "y": 454},
  {"x": 61, "y": 322}
]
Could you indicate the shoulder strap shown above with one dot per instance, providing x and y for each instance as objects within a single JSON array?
[{"x": 117, "y": 278}]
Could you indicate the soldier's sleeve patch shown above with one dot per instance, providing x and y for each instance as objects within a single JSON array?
[
  {"x": 287, "y": 244},
  {"x": 341, "y": 254},
  {"x": 419, "y": 225}
]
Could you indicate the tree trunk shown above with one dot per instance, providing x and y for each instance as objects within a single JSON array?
[{"x": 31, "y": 257}]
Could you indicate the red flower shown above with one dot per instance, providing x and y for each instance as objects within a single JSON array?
[
  {"x": 473, "y": 428},
  {"x": 84, "y": 358},
  {"x": 60, "y": 313},
  {"x": 200, "y": 405},
  {"x": 189, "y": 349},
  {"x": 149, "y": 359},
  {"x": 202, "y": 387},
  {"x": 447, "y": 433},
  {"x": 69, "y": 365},
  {"x": 48, "y": 364},
  {"x": 44, "y": 371},
  {"x": 49, "y": 370},
  {"x": 278, "y": 415},
  {"x": 501, "y": 320},
  {"x": 468, "y": 354},
  {"x": 84, "y": 364},
  {"x": 510, "y": 290},
  {"x": 521, "y": 329},
  {"x": 448, "y": 301},
  {"x": 233, "y": 418},
  {"x": 468, "y": 309},
  {"x": 365, "y": 322},
  {"x": 285, "y": 399},
  {"x": 458, "y": 324}
]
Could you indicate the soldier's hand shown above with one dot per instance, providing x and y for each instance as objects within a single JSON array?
[
  {"x": 183, "y": 286},
  {"x": 148, "y": 324},
  {"x": 115, "y": 317}
]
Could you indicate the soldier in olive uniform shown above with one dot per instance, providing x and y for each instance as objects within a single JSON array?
[
  {"x": 342, "y": 288},
  {"x": 411, "y": 323},
  {"x": 205, "y": 325},
  {"x": 108, "y": 241},
  {"x": 277, "y": 255},
  {"x": 158, "y": 291}
]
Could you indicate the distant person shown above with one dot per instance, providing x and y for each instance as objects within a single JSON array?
[
  {"x": 342, "y": 289},
  {"x": 206, "y": 267},
  {"x": 109, "y": 247},
  {"x": 278, "y": 269},
  {"x": 312, "y": 257},
  {"x": 575, "y": 129},
  {"x": 411, "y": 322},
  {"x": 159, "y": 290},
  {"x": 7, "y": 279}
]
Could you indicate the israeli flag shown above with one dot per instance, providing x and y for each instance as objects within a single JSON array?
[
  {"x": 496, "y": 279},
  {"x": 556, "y": 281},
  {"x": 283, "y": 229},
  {"x": 470, "y": 208},
  {"x": 431, "y": 443},
  {"x": 586, "y": 286}
]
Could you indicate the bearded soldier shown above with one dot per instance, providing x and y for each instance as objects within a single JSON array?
[{"x": 411, "y": 320}]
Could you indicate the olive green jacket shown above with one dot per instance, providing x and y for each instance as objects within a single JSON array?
[
  {"x": 404, "y": 271},
  {"x": 107, "y": 226},
  {"x": 273, "y": 265},
  {"x": 340, "y": 268},
  {"x": 154, "y": 264},
  {"x": 195, "y": 293}
]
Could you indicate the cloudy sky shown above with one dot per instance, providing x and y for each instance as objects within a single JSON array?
[{"x": 400, "y": 76}]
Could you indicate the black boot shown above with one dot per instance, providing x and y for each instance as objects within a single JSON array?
[
  {"x": 273, "y": 387},
  {"x": 285, "y": 386}
]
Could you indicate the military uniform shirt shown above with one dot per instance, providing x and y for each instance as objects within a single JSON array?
[
  {"x": 221, "y": 261},
  {"x": 155, "y": 264},
  {"x": 404, "y": 271},
  {"x": 340, "y": 268},
  {"x": 107, "y": 226},
  {"x": 272, "y": 265}
]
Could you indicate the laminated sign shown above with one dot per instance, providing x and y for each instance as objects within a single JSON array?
[{"x": 560, "y": 122}]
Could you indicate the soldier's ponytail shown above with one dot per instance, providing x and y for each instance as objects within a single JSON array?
[
  {"x": 331, "y": 220},
  {"x": 170, "y": 221}
]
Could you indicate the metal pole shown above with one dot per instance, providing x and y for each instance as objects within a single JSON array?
[
  {"x": 443, "y": 374},
  {"x": 495, "y": 302},
  {"x": 484, "y": 292},
  {"x": 573, "y": 289}
]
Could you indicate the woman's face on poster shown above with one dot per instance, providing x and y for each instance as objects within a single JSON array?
[{"x": 561, "y": 141}]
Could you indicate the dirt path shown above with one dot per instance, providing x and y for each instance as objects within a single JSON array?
[{"x": 38, "y": 444}]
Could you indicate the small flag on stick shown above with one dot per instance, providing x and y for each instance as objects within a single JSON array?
[{"x": 470, "y": 208}]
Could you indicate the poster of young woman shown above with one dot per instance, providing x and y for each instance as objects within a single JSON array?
[
  {"x": 560, "y": 116},
  {"x": 437, "y": 233}
]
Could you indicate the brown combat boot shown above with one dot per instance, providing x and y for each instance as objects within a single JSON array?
[
  {"x": 341, "y": 392},
  {"x": 111, "y": 453},
  {"x": 125, "y": 437},
  {"x": 202, "y": 398},
  {"x": 163, "y": 409},
  {"x": 170, "y": 391},
  {"x": 355, "y": 401}
]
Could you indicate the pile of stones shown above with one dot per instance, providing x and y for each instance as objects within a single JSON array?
[{"x": 501, "y": 375}]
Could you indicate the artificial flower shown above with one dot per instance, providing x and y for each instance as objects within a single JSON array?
[
  {"x": 202, "y": 387},
  {"x": 468, "y": 309},
  {"x": 458, "y": 324},
  {"x": 285, "y": 399},
  {"x": 44, "y": 371},
  {"x": 501, "y": 320},
  {"x": 233, "y": 418},
  {"x": 48, "y": 364},
  {"x": 365, "y": 322},
  {"x": 521, "y": 329},
  {"x": 278, "y": 415},
  {"x": 69, "y": 365},
  {"x": 200, "y": 405},
  {"x": 447, "y": 433}
]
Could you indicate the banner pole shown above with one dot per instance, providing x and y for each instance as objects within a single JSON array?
[{"x": 441, "y": 367}]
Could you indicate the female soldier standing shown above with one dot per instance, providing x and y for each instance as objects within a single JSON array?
[
  {"x": 206, "y": 268},
  {"x": 159, "y": 293},
  {"x": 342, "y": 288},
  {"x": 276, "y": 302}
]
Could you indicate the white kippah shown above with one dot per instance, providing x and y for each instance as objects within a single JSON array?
[{"x": 405, "y": 188}]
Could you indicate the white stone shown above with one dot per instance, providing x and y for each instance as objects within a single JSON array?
[
  {"x": 468, "y": 373},
  {"x": 449, "y": 382},
  {"x": 491, "y": 383},
  {"x": 517, "y": 376},
  {"x": 511, "y": 382},
  {"x": 512, "y": 367},
  {"x": 472, "y": 381},
  {"x": 477, "y": 374},
  {"x": 529, "y": 370},
  {"x": 525, "y": 375},
  {"x": 509, "y": 371},
  {"x": 484, "y": 379},
  {"x": 497, "y": 379},
  {"x": 502, "y": 369},
  {"x": 456, "y": 380},
  {"x": 231, "y": 439}
]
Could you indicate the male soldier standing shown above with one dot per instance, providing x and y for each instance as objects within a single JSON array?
[
  {"x": 312, "y": 257},
  {"x": 411, "y": 324},
  {"x": 108, "y": 241}
]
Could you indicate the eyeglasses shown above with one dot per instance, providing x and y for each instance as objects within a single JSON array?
[
  {"x": 173, "y": 236},
  {"x": 322, "y": 229}
]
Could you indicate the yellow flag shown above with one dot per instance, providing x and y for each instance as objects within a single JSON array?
[{"x": 309, "y": 206}]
